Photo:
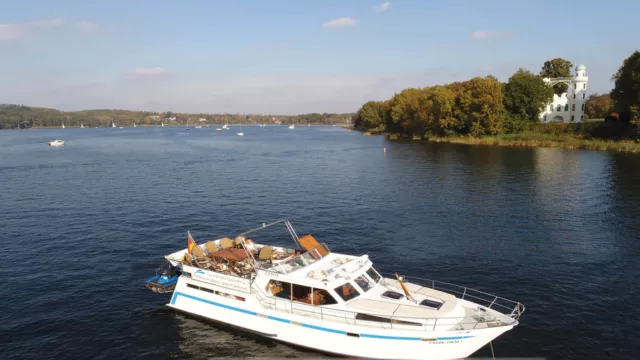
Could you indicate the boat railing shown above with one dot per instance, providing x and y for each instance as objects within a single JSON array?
[
  {"x": 502, "y": 305},
  {"x": 350, "y": 317}
]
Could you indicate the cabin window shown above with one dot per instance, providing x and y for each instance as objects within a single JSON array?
[
  {"x": 301, "y": 293},
  {"x": 373, "y": 274},
  {"x": 279, "y": 289},
  {"x": 347, "y": 292},
  {"x": 363, "y": 283},
  {"x": 322, "y": 297}
]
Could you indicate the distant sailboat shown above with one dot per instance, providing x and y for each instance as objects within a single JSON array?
[
  {"x": 292, "y": 127},
  {"x": 63, "y": 125},
  {"x": 225, "y": 126},
  {"x": 134, "y": 125},
  {"x": 81, "y": 126},
  {"x": 161, "y": 124},
  {"x": 113, "y": 125}
]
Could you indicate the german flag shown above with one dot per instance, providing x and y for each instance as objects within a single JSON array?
[{"x": 190, "y": 242}]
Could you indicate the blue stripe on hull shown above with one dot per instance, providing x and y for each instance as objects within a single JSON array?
[{"x": 274, "y": 318}]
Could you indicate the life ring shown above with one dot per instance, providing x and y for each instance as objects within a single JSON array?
[
  {"x": 340, "y": 261},
  {"x": 318, "y": 274}
]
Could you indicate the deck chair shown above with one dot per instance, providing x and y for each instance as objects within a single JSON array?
[
  {"x": 266, "y": 253},
  {"x": 199, "y": 257},
  {"x": 226, "y": 243},
  {"x": 310, "y": 243},
  {"x": 238, "y": 241},
  {"x": 211, "y": 247}
]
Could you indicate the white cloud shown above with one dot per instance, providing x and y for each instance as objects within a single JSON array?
[
  {"x": 87, "y": 26},
  {"x": 47, "y": 24},
  {"x": 16, "y": 31},
  {"x": 489, "y": 34},
  {"x": 382, "y": 7},
  {"x": 11, "y": 31},
  {"x": 145, "y": 72},
  {"x": 339, "y": 23}
]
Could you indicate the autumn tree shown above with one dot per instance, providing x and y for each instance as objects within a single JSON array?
[
  {"x": 525, "y": 94},
  {"x": 598, "y": 106},
  {"x": 626, "y": 92},
  {"x": 481, "y": 106},
  {"x": 555, "y": 68}
]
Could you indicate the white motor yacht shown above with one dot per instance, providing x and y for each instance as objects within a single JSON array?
[
  {"x": 56, "y": 143},
  {"x": 309, "y": 296}
]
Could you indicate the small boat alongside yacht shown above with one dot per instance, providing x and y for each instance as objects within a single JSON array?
[{"x": 310, "y": 296}]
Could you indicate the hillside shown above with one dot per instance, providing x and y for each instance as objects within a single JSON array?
[{"x": 20, "y": 116}]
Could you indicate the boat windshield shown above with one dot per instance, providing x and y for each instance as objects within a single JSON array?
[
  {"x": 373, "y": 274},
  {"x": 347, "y": 292},
  {"x": 294, "y": 263}
]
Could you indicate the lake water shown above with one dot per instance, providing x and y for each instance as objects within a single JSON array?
[{"x": 82, "y": 227}]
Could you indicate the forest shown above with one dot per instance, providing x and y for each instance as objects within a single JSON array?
[
  {"x": 484, "y": 106},
  {"x": 20, "y": 116}
]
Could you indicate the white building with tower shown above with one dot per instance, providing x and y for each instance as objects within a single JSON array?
[{"x": 569, "y": 106}]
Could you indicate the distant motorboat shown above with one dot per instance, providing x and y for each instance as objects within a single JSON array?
[
  {"x": 121, "y": 127},
  {"x": 292, "y": 127},
  {"x": 218, "y": 129},
  {"x": 56, "y": 143},
  {"x": 198, "y": 127},
  {"x": 240, "y": 133},
  {"x": 225, "y": 126}
]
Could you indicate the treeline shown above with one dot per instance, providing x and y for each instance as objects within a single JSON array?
[
  {"x": 19, "y": 116},
  {"x": 485, "y": 106}
]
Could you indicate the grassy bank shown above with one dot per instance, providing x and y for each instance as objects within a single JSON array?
[{"x": 543, "y": 140}]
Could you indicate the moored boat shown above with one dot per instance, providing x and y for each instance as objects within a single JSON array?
[
  {"x": 312, "y": 297},
  {"x": 56, "y": 143}
]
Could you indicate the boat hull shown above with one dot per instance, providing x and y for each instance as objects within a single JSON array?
[{"x": 339, "y": 338}]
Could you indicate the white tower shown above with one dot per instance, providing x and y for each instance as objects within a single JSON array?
[
  {"x": 569, "y": 106},
  {"x": 579, "y": 93}
]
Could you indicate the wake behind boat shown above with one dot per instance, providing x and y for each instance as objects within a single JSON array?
[{"x": 309, "y": 296}]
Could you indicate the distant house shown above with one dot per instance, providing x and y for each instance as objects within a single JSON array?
[{"x": 569, "y": 106}]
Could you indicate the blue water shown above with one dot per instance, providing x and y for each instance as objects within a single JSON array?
[{"x": 82, "y": 227}]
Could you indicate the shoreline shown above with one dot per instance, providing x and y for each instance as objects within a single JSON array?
[
  {"x": 565, "y": 142},
  {"x": 525, "y": 140}
]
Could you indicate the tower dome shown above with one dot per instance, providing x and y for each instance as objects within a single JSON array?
[{"x": 581, "y": 68}]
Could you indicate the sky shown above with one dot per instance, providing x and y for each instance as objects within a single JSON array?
[{"x": 290, "y": 56}]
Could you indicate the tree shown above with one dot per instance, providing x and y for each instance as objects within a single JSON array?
[
  {"x": 368, "y": 117},
  {"x": 626, "y": 92},
  {"x": 598, "y": 106},
  {"x": 525, "y": 94},
  {"x": 555, "y": 68},
  {"x": 481, "y": 106}
]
